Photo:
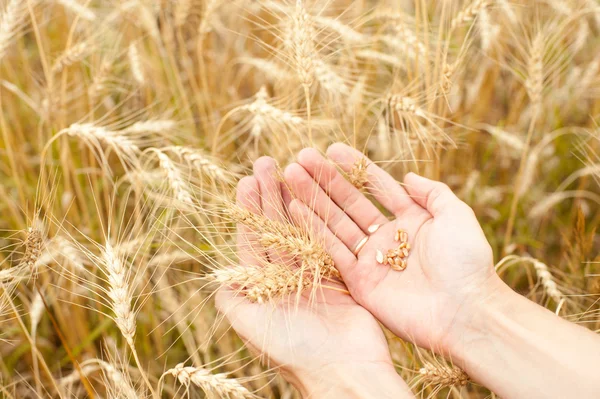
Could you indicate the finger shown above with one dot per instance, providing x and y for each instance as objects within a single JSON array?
[
  {"x": 304, "y": 216},
  {"x": 432, "y": 195},
  {"x": 309, "y": 192},
  {"x": 266, "y": 173},
  {"x": 386, "y": 190},
  {"x": 347, "y": 197},
  {"x": 249, "y": 250}
]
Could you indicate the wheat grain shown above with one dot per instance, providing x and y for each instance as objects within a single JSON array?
[
  {"x": 440, "y": 375},
  {"x": 218, "y": 384},
  {"x": 358, "y": 175}
]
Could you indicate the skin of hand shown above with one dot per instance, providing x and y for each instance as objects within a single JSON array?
[
  {"x": 449, "y": 298},
  {"x": 331, "y": 348}
]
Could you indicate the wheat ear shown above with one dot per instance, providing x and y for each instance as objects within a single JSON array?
[
  {"x": 468, "y": 13},
  {"x": 263, "y": 283},
  {"x": 281, "y": 236},
  {"x": 78, "y": 9},
  {"x": 442, "y": 376},
  {"x": 218, "y": 384},
  {"x": 10, "y": 21},
  {"x": 120, "y": 296}
]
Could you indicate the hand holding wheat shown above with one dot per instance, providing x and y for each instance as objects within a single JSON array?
[
  {"x": 448, "y": 297},
  {"x": 450, "y": 264},
  {"x": 330, "y": 348}
]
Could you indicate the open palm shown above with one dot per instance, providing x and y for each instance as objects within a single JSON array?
[
  {"x": 312, "y": 343},
  {"x": 450, "y": 261}
]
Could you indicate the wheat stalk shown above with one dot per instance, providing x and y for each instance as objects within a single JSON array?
[{"x": 218, "y": 384}]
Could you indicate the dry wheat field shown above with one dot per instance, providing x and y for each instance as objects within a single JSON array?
[{"x": 126, "y": 124}]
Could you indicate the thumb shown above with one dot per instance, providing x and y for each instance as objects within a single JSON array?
[{"x": 432, "y": 195}]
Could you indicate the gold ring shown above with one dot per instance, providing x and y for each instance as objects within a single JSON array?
[{"x": 360, "y": 245}]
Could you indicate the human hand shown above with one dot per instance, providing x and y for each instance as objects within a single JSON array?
[
  {"x": 331, "y": 348},
  {"x": 450, "y": 265}
]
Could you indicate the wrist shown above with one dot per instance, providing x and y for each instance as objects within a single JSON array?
[
  {"x": 353, "y": 381},
  {"x": 478, "y": 320}
]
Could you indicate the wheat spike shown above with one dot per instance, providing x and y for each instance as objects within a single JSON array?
[
  {"x": 535, "y": 70},
  {"x": 440, "y": 375},
  {"x": 33, "y": 248},
  {"x": 71, "y": 56},
  {"x": 263, "y": 283},
  {"x": 78, "y": 9},
  {"x": 119, "y": 293},
  {"x": 218, "y": 384},
  {"x": 547, "y": 280},
  {"x": 151, "y": 126},
  {"x": 301, "y": 42},
  {"x": 202, "y": 162},
  {"x": 120, "y": 386},
  {"x": 209, "y": 10},
  {"x": 182, "y": 10},
  {"x": 135, "y": 63},
  {"x": 175, "y": 179},
  {"x": 94, "y": 134},
  {"x": 469, "y": 13},
  {"x": 11, "y": 21},
  {"x": 282, "y": 236}
]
